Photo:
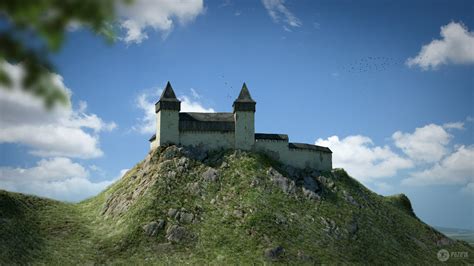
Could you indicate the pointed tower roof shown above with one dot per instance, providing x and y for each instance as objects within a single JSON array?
[
  {"x": 168, "y": 100},
  {"x": 168, "y": 93},
  {"x": 244, "y": 95},
  {"x": 244, "y": 101}
]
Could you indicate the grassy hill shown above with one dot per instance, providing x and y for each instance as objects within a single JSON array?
[{"x": 187, "y": 206}]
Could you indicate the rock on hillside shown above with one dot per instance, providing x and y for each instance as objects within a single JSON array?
[{"x": 189, "y": 206}]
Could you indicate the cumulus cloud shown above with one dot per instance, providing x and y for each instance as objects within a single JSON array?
[
  {"x": 58, "y": 178},
  {"x": 454, "y": 125},
  {"x": 426, "y": 144},
  {"x": 280, "y": 13},
  {"x": 146, "y": 103},
  {"x": 362, "y": 159},
  {"x": 456, "y": 46},
  {"x": 62, "y": 131},
  {"x": 456, "y": 168},
  {"x": 158, "y": 15},
  {"x": 426, "y": 153}
]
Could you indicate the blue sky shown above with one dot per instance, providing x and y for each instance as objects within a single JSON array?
[{"x": 387, "y": 85}]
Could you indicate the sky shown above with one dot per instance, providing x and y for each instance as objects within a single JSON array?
[{"x": 387, "y": 85}]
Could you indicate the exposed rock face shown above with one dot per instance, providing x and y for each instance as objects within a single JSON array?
[
  {"x": 182, "y": 216},
  {"x": 171, "y": 152},
  {"x": 176, "y": 234},
  {"x": 285, "y": 184},
  {"x": 186, "y": 217},
  {"x": 153, "y": 228},
  {"x": 184, "y": 162},
  {"x": 119, "y": 202},
  {"x": 194, "y": 188},
  {"x": 326, "y": 182},
  {"x": 310, "y": 184},
  {"x": 172, "y": 213},
  {"x": 210, "y": 174},
  {"x": 310, "y": 188},
  {"x": 331, "y": 228},
  {"x": 196, "y": 153},
  {"x": 311, "y": 194}
]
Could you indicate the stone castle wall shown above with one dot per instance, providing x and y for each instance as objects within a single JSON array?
[
  {"x": 276, "y": 149},
  {"x": 208, "y": 139},
  {"x": 299, "y": 158}
]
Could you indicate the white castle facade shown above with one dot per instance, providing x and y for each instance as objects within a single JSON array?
[{"x": 234, "y": 130}]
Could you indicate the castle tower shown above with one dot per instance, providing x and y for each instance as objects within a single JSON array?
[
  {"x": 244, "y": 118},
  {"x": 167, "y": 117}
]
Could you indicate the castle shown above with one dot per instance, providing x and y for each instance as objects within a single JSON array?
[{"x": 234, "y": 130}]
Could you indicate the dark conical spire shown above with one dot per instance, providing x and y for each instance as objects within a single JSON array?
[
  {"x": 168, "y": 100},
  {"x": 244, "y": 101},
  {"x": 168, "y": 93},
  {"x": 244, "y": 95}
]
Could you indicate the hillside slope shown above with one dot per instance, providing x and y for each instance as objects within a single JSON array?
[{"x": 187, "y": 206}]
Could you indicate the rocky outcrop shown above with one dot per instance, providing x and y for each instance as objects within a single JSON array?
[
  {"x": 286, "y": 185},
  {"x": 153, "y": 228},
  {"x": 210, "y": 175}
]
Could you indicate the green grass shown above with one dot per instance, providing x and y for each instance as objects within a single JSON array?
[{"x": 108, "y": 228}]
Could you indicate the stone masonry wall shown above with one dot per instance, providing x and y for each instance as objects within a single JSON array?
[
  {"x": 208, "y": 139},
  {"x": 299, "y": 158}
]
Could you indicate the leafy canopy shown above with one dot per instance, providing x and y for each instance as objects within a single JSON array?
[{"x": 30, "y": 30}]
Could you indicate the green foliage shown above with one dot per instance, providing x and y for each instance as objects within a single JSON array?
[
  {"x": 31, "y": 29},
  {"x": 401, "y": 201},
  {"x": 237, "y": 217}
]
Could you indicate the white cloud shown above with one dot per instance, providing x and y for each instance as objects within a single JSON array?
[
  {"x": 58, "y": 178},
  {"x": 456, "y": 168},
  {"x": 454, "y": 125},
  {"x": 146, "y": 103},
  {"x": 279, "y": 12},
  {"x": 426, "y": 144},
  {"x": 455, "y": 47},
  {"x": 61, "y": 131},
  {"x": 190, "y": 105},
  {"x": 363, "y": 160},
  {"x": 159, "y": 15},
  {"x": 427, "y": 154},
  {"x": 147, "y": 124}
]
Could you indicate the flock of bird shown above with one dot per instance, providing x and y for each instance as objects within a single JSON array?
[
  {"x": 368, "y": 64},
  {"x": 228, "y": 87},
  {"x": 371, "y": 64}
]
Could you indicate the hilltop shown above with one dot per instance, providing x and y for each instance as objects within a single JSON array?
[{"x": 189, "y": 206}]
